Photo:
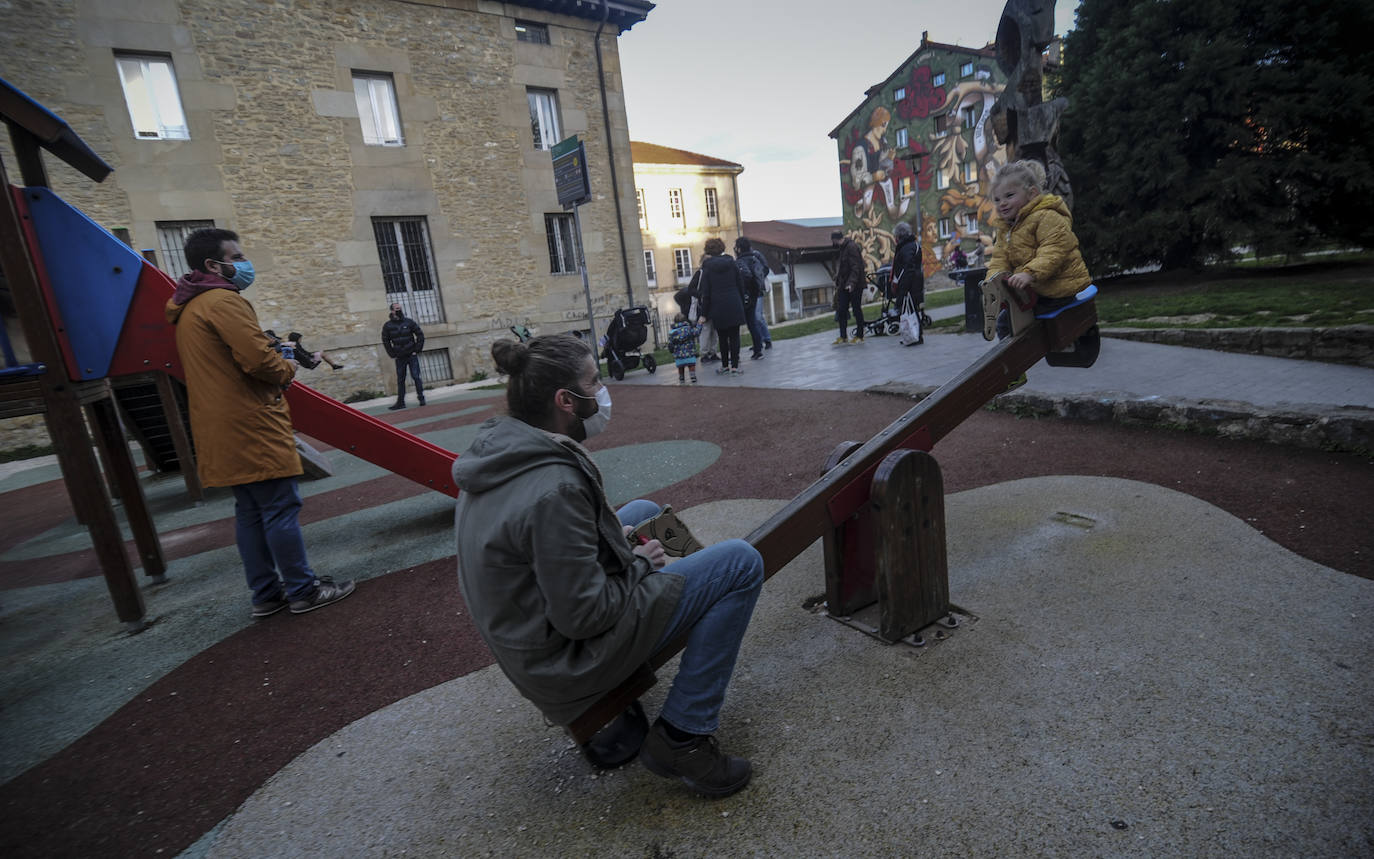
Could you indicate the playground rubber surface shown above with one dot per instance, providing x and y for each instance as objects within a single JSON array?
[{"x": 206, "y": 707}]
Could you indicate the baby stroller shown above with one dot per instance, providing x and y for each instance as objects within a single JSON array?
[
  {"x": 890, "y": 315},
  {"x": 628, "y": 330}
]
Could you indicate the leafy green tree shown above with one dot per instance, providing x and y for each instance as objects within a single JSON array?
[{"x": 1196, "y": 126}]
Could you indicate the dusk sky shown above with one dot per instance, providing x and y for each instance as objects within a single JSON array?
[{"x": 762, "y": 82}]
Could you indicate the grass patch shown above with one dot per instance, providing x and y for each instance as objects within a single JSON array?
[
  {"x": 1319, "y": 295},
  {"x": 27, "y": 451},
  {"x": 363, "y": 396}
]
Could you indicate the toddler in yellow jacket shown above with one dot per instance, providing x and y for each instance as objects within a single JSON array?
[{"x": 1035, "y": 260}]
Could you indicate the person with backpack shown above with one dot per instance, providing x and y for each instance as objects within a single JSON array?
[{"x": 753, "y": 275}]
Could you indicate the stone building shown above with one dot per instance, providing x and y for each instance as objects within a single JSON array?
[
  {"x": 366, "y": 151},
  {"x": 920, "y": 148},
  {"x": 683, "y": 199}
]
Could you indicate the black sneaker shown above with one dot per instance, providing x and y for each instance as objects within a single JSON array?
[
  {"x": 698, "y": 763},
  {"x": 394, "y": 406},
  {"x": 325, "y": 593},
  {"x": 422, "y": 401},
  {"x": 269, "y": 608}
]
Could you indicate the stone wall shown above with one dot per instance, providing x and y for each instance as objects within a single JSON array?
[
  {"x": 276, "y": 153},
  {"x": 1349, "y": 344}
]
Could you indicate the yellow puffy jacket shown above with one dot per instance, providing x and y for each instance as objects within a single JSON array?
[{"x": 1041, "y": 242}]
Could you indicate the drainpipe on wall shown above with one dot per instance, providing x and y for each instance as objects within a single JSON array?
[
  {"x": 734, "y": 190},
  {"x": 610, "y": 152}
]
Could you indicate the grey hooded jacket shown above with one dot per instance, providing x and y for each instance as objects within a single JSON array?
[{"x": 566, "y": 607}]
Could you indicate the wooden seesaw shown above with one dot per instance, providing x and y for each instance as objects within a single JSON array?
[{"x": 879, "y": 507}]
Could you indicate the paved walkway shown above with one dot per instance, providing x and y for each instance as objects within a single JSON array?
[
  {"x": 1117, "y": 693},
  {"x": 1124, "y": 369}
]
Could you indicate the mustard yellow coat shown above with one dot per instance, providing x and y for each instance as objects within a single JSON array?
[
  {"x": 1041, "y": 242},
  {"x": 234, "y": 378}
]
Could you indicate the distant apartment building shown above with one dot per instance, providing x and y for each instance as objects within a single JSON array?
[
  {"x": 920, "y": 148},
  {"x": 682, "y": 199},
  {"x": 366, "y": 152}
]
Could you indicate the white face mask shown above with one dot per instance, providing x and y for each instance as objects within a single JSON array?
[{"x": 597, "y": 421}]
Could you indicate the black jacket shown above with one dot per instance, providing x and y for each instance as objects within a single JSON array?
[
  {"x": 722, "y": 295},
  {"x": 402, "y": 337},
  {"x": 850, "y": 273},
  {"x": 907, "y": 276}
]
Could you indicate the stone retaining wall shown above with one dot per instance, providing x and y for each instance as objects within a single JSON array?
[
  {"x": 1349, "y": 429},
  {"x": 1348, "y": 344}
]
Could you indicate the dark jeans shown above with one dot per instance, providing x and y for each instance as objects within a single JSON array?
[
  {"x": 849, "y": 299},
  {"x": 729, "y": 345},
  {"x": 268, "y": 532},
  {"x": 413, "y": 364}
]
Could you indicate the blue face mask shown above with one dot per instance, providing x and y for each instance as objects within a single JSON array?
[{"x": 243, "y": 273}]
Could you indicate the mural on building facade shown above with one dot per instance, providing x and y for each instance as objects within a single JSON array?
[{"x": 947, "y": 128}]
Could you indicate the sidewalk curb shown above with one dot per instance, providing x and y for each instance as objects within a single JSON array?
[
  {"x": 1349, "y": 429},
  {"x": 1346, "y": 344}
]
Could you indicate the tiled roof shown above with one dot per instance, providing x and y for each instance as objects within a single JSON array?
[
  {"x": 784, "y": 234},
  {"x": 652, "y": 153}
]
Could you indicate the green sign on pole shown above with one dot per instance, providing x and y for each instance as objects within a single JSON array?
[{"x": 570, "y": 172}]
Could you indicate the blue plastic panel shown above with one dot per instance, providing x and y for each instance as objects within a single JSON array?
[{"x": 93, "y": 275}]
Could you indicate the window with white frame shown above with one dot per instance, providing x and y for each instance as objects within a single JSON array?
[
  {"x": 942, "y": 125},
  {"x": 966, "y": 69},
  {"x": 649, "y": 273},
  {"x": 639, "y": 200},
  {"x": 899, "y": 93},
  {"x": 905, "y": 187},
  {"x": 544, "y": 117},
  {"x": 968, "y": 115},
  {"x": 712, "y": 210},
  {"x": 408, "y": 269},
  {"x": 675, "y": 205},
  {"x": 941, "y": 180},
  {"x": 682, "y": 264},
  {"x": 151, "y": 94},
  {"x": 901, "y": 138},
  {"x": 378, "y": 111},
  {"x": 171, "y": 240},
  {"x": 969, "y": 171},
  {"x": 563, "y": 250},
  {"x": 938, "y": 80},
  {"x": 946, "y": 228},
  {"x": 529, "y": 31},
  {"x": 970, "y": 223}
]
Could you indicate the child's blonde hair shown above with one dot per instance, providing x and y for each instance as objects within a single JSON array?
[
  {"x": 678, "y": 318},
  {"x": 1029, "y": 174}
]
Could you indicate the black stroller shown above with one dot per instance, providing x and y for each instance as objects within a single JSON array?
[
  {"x": 627, "y": 332},
  {"x": 889, "y": 318}
]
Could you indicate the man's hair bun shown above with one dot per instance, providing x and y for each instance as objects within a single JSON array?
[{"x": 510, "y": 356}]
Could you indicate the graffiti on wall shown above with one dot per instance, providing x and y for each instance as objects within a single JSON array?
[{"x": 938, "y": 179}]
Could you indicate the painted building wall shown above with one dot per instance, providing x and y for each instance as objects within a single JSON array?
[
  {"x": 662, "y": 235},
  {"x": 940, "y": 99},
  {"x": 276, "y": 153}
]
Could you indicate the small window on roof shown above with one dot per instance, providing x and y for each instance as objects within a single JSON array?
[{"x": 529, "y": 31}]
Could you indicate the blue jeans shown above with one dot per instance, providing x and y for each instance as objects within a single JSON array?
[
  {"x": 268, "y": 531},
  {"x": 761, "y": 318},
  {"x": 413, "y": 365},
  {"x": 722, "y": 584}
]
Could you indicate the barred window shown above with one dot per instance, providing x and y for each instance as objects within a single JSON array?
[
  {"x": 171, "y": 241},
  {"x": 563, "y": 247},
  {"x": 435, "y": 366},
  {"x": 529, "y": 31},
  {"x": 408, "y": 268}
]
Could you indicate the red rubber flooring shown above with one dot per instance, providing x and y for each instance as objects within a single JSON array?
[{"x": 173, "y": 762}]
